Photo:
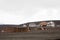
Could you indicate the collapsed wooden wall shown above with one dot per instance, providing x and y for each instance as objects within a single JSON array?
[
  {"x": 14, "y": 29},
  {"x": 25, "y": 29},
  {"x": 8, "y": 29}
]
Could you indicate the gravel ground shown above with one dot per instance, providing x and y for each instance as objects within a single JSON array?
[{"x": 35, "y": 35}]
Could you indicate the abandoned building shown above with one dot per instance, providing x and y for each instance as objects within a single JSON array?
[{"x": 32, "y": 26}]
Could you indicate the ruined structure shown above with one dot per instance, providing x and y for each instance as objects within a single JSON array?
[{"x": 32, "y": 26}]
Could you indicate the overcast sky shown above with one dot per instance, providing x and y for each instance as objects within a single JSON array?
[{"x": 22, "y": 11}]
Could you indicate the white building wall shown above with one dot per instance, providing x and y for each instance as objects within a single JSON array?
[{"x": 51, "y": 24}]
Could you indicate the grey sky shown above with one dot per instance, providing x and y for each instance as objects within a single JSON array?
[{"x": 21, "y": 11}]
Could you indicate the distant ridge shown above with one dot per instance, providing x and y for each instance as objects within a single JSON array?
[{"x": 56, "y": 22}]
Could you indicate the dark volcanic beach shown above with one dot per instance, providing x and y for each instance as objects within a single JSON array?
[{"x": 36, "y": 35}]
